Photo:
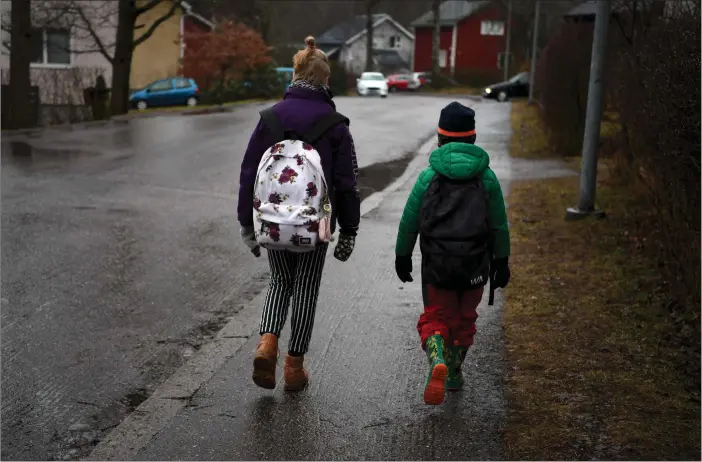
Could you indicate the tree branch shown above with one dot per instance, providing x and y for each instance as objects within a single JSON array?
[
  {"x": 94, "y": 35},
  {"x": 174, "y": 6},
  {"x": 149, "y": 6}
]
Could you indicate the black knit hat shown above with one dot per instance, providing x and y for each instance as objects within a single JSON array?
[{"x": 457, "y": 121}]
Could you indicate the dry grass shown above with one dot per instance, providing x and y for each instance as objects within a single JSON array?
[
  {"x": 596, "y": 368},
  {"x": 530, "y": 140}
]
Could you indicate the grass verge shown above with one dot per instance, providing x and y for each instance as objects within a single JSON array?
[{"x": 599, "y": 369}]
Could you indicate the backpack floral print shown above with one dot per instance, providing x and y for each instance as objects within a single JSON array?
[{"x": 291, "y": 209}]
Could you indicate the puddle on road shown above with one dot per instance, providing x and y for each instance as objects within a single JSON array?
[
  {"x": 376, "y": 177},
  {"x": 24, "y": 154}
]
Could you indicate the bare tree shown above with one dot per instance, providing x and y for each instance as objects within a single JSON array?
[
  {"x": 20, "y": 58},
  {"x": 436, "y": 37},
  {"x": 370, "y": 4},
  {"x": 128, "y": 11}
]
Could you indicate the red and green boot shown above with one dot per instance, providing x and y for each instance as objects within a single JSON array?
[
  {"x": 454, "y": 360},
  {"x": 436, "y": 380}
]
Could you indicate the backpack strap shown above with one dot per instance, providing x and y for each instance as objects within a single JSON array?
[
  {"x": 273, "y": 123},
  {"x": 325, "y": 124}
]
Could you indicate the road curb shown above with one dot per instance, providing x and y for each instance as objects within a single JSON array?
[
  {"x": 125, "y": 119},
  {"x": 141, "y": 426}
]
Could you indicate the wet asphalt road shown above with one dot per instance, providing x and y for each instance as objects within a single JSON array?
[{"x": 121, "y": 256}]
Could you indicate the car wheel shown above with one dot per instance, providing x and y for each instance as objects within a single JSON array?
[
  {"x": 192, "y": 101},
  {"x": 393, "y": 89},
  {"x": 141, "y": 105},
  {"x": 383, "y": 96},
  {"x": 502, "y": 96}
]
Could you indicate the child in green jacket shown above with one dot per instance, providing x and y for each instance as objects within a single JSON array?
[{"x": 457, "y": 209}]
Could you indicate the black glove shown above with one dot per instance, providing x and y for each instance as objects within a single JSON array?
[
  {"x": 249, "y": 237},
  {"x": 403, "y": 268},
  {"x": 499, "y": 272},
  {"x": 345, "y": 246}
]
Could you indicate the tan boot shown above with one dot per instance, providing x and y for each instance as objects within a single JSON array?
[
  {"x": 265, "y": 361},
  {"x": 296, "y": 377}
]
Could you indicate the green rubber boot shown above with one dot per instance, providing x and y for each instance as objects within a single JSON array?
[
  {"x": 454, "y": 360},
  {"x": 436, "y": 380}
]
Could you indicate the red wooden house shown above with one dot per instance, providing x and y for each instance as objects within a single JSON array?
[{"x": 473, "y": 35}]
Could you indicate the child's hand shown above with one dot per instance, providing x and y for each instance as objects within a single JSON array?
[
  {"x": 403, "y": 268},
  {"x": 499, "y": 270}
]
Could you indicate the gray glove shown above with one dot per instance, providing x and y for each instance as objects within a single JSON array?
[{"x": 249, "y": 238}]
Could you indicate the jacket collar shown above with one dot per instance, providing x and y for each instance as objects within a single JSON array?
[{"x": 304, "y": 93}]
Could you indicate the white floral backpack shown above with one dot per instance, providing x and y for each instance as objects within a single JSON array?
[{"x": 291, "y": 209}]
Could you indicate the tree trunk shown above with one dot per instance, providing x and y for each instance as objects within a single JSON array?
[
  {"x": 122, "y": 65},
  {"x": 369, "y": 35},
  {"x": 435, "y": 44},
  {"x": 20, "y": 56}
]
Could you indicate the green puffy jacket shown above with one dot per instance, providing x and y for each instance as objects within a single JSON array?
[{"x": 456, "y": 161}]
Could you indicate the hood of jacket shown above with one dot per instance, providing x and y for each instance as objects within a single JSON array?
[{"x": 459, "y": 161}]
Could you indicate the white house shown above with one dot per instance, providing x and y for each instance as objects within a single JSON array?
[{"x": 392, "y": 44}]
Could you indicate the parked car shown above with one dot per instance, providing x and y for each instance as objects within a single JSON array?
[
  {"x": 421, "y": 79},
  {"x": 515, "y": 87},
  {"x": 286, "y": 74},
  {"x": 401, "y": 82},
  {"x": 167, "y": 92},
  {"x": 372, "y": 83}
]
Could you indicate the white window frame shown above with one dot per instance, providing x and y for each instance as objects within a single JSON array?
[
  {"x": 45, "y": 50},
  {"x": 494, "y": 28}
]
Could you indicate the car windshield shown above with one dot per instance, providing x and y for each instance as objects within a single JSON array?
[
  {"x": 518, "y": 78},
  {"x": 372, "y": 77}
]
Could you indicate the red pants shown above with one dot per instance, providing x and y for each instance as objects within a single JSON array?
[{"x": 451, "y": 314}]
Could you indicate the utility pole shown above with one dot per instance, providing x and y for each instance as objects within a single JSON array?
[
  {"x": 509, "y": 34},
  {"x": 591, "y": 138},
  {"x": 532, "y": 71}
]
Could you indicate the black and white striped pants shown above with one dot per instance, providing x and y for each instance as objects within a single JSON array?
[{"x": 296, "y": 275}]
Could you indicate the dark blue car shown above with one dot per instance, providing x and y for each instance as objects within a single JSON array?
[{"x": 177, "y": 91}]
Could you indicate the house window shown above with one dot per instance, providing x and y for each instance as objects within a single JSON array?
[
  {"x": 492, "y": 28},
  {"x": 394, "y": 41},
  {"x": 51, "y": 46},
  {"x": 442, "y": 58}
]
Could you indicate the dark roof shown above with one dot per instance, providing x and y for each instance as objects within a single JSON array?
[
  {"x": 339, "y": 34},
  {"x": 588, "y": 9},
  {"x": 450, "y": 12},
  {"x": 390, "y": 58}
]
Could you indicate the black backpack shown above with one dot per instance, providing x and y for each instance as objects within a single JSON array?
[{"x": 454, "y": 234}]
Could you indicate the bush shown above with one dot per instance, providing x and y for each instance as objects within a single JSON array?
[
  {"x": 652, "y": 85},
  {"x": 339, "y": 79},
  {"x": 655, "y": 88},
  {"x": 561, "y": 80},
  {"x": 265, "y": 82}
]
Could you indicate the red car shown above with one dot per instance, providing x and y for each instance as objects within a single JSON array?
[{"x": 399, "y": 82}]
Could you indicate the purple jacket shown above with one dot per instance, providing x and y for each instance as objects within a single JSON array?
[{"x": 299, "y": 111}]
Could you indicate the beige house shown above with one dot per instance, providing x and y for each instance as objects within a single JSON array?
[{"x": 160, "y": 56}]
